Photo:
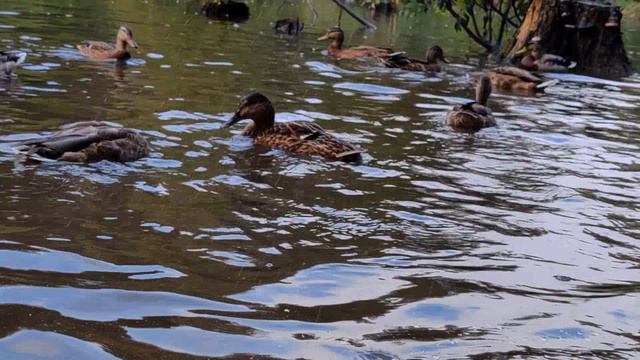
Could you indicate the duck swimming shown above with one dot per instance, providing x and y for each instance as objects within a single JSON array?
[
  {"x": 9, "y": 61},
  {"x": 89, "y": 141},
  {"x": 296, "y": 137},
  {"x": 430, "y": 64},
  {"x": 102, "y": 51},
  {"x": 534, "y": 60},
  {"x": 475, "y": 115},
  {"x": 336, "y": 35},
  {"x": 511, "y": 78}
]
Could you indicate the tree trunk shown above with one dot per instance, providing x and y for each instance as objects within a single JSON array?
[{"x": 576, "y": 30}]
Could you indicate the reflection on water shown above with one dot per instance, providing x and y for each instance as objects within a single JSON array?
[{"x": 517, "y": 241}]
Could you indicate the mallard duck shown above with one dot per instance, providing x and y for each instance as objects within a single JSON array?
[
  {"x": 296, "y": 137},
  {"x": 511, "y": 78},
  {"x": 475, "y": 115},
  {"x": 534, "y": 60},
  {"x": 226, "y": 10},
  {"x": 430, "y": 64},
  {"x": 89, "y": 141},
  {"x": 102, "y": 51},
  {"x": 336, "y": 35},
  {"x": 290, "y": 26},
  {"x": 9, "y": 61}
]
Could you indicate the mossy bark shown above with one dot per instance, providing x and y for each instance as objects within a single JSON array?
[{"x": 576, "y": 30}]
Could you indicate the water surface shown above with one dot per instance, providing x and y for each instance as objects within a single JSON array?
[{"x": 520, "y": 240}]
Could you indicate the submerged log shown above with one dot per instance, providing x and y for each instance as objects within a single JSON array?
[{"x": 587, "y": 32}]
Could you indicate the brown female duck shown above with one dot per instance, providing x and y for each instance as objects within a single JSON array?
[
  {"x": 511, "y": 78},
  {"x": 296, "y": 137},
  {"x": 534, "y": 60},
  {"x": 475, "y": 115},
  {"x": 430, "y": 64},
  {"x": 9, "y": 61},
  {"x": 89, "y": 141},
  {"x": 102, "y": 51},
  {"x": 336, "y": 35}
]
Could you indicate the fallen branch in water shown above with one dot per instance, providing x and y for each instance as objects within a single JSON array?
[{"x": 359, "y": 18}]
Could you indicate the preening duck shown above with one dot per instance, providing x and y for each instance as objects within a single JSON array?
[
  {"x": 9, "y": 61},
  {"x": 336, "y": 35},
  {"x": 102, "y": 51},
  {"x": 475, "y": 115},
  {"x": 89, "y": 141},
  {"x": 297, "y": 137},
  {"x": 429, "y": 64},
  {"x": 534, "y": 60}
]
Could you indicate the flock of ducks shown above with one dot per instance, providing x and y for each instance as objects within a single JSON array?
[{"x": 93, "y": 141}]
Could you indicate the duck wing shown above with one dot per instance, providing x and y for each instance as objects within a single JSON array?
[
  {"x": 551, "y": 59},
  {"x": 72, "y": 139},
  {"x": 396, "y": 60},
  {"x": 308, "y": 138},
  {"x": 97, "y": 46},
  {"x": 9, "y": 60},
  {"x": 16, "y": 57},
  {"x": 371, "y": 50},
  {"x": 305, "y": 130},
  {"x": 517, "y": 72}
]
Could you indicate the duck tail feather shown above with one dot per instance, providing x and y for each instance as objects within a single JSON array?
[
  {"x": 348, "y": 153},
  {"x": 548, "y": 83}
]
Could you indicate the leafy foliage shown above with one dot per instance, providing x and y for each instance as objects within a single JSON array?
[{"x": 487, "y": 22}]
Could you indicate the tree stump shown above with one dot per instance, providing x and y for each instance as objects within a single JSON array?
[{"x": 587, "y": 32}]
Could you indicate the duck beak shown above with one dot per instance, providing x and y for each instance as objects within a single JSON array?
[
  {"x": 234, "y": 119},
  {"x": 132, "y": 43},
  {"x": 324, "y": 37}
]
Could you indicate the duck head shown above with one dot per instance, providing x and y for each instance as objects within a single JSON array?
[
  {"x": 336, "y": 35},
  {"x": 125, "y": 37},
  {"x": 483, "y": 90},
  {"x": 528, "y": 56},
  {"x": 256, "y": 107},
  {"x": 434, "y": 54}
]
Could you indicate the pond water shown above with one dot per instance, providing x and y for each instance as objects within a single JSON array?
[{"x": 520, "y": 240}]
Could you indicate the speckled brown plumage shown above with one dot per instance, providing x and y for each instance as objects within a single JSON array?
[
  {"x": 534, "y": 60},
  {"x": 474, "y": 115},
  {"x": 296, "y": 137},
  {"x": 90, "y": 141},
  {"x": 511, "y": 78},
  {"x": 404, "y": 62},
  {"x": 99, "y": 50},
  {"x": 336, "y": 35}
]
